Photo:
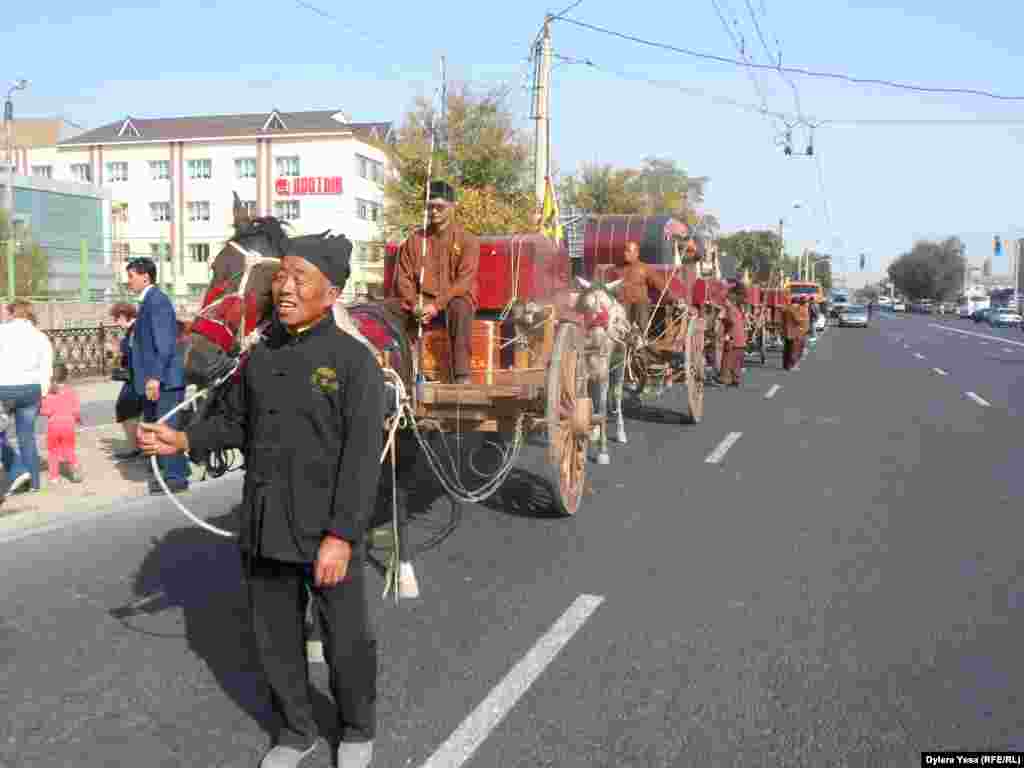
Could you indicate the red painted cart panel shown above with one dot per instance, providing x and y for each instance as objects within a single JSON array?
[{"x": 542, "y": 271}]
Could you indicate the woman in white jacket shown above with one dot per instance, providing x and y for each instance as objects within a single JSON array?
[{"x": 24, "y": 378}]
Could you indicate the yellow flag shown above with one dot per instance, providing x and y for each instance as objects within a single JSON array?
[{"x": 550, "y": 223}]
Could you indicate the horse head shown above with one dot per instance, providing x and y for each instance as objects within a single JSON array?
[{"x": 238, "y": 298}]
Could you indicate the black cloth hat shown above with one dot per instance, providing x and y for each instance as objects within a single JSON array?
[
  {"x": 442, "y": 190},
  {"x": 330, "y": 254}
]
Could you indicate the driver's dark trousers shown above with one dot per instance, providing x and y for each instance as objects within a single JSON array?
[{"x": 277, "y": 593}]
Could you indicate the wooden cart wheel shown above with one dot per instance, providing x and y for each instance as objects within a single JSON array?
[
  {"x": 565, "y": 393},
  {"x": 695, "y": 371}
]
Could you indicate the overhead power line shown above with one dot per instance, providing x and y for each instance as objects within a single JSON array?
[{"x": 793, "y": 70}]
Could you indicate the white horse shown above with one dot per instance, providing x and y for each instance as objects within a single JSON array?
[{"x": 607, "y": 329}]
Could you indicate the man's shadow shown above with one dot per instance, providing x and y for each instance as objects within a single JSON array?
[{"x": 201, "y": 574}]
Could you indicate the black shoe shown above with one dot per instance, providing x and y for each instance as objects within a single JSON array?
[
  {"x": 128, "y": 455},
  {"x": 174, "y": 486}
]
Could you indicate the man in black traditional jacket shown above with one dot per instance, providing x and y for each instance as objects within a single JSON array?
[{"x": 307, "y": 410}]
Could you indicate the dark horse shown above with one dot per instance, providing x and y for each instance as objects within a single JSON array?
[{"x": 238, "y": 306}]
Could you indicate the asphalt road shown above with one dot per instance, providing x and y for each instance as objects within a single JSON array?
[{"x": 838, "y": 589}]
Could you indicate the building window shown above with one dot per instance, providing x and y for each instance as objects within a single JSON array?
[
  {"x": 81, "y": 172},
  {"x": 199, "y": 252},
  {"x": 200, "y": 169},
  {"x": 121, "y": 254},
  {"x": 286, "y": 210},
  {"x": 117, "y": 171},
  {"x": 287, "y": 166},
  {"x": 367, "y": 210},
  {"x": 159, "y": 169},
  {"x": 156, "y": 249},
  {"x": 245, "y": 167},
  {"x": 199, "y": 211},
  {"x": 46, "y": 171},
  {"x": 160, "y": 211},
  {"x": 370, "y": 169}
]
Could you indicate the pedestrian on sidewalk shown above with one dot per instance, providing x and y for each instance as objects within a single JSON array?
[
  {"x": 306, "y": 410},
  {"x": 63, "y": 411},
  {"x": 129, "y": 406},
  {"x": 25, "y": 375},
  {"x": 157, "y": 373}
]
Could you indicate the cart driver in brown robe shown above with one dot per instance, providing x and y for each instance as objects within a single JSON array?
[
  {"x": 637, "y": 278},
  {"x": 449, "y": 276}
]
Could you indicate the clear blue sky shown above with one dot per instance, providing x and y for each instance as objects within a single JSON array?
[{"x": 886, "y": 185}]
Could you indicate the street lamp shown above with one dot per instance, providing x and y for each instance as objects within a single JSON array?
[{"x": 19, "y": 85}]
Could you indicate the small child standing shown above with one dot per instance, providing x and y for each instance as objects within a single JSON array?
[{"x": 64, "y": 411}]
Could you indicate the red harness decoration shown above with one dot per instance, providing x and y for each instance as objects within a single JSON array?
[{"x": 595, "y": 319}]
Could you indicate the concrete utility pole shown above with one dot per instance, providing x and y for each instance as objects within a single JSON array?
[{"x": 541, "y": 110}]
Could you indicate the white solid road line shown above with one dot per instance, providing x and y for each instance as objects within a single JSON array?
[
  {"x": 468, "y": 737},
  {"x": 981, "y": 335},
  {"x": 919, "y": 356},
  {"x": 723, "y": 447},
  {"x": 940, "y": 372},
  {"x": 771, "y": 392},
  {"x": 978, "y": 400},
  {"x": 1007, "y": 349}
]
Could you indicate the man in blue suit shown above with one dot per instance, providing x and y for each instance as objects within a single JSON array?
[{"x": 157, "y": 373}]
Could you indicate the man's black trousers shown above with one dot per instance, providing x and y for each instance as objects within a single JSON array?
[{"x": 278, "y": 594}]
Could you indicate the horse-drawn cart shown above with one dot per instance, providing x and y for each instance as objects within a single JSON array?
[{"x": 528, "y": 368}]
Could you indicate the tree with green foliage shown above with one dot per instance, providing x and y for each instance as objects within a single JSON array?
[
  {"x": 479, "y": 151},
  {"x": 754, "y": 250},
  {"x": 31, "y": 262},
  {"x": 659, "y": 187},
  {"x": 930, "y": 270}
]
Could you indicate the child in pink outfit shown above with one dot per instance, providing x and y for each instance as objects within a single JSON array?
[{"x": 64, "y": 411}]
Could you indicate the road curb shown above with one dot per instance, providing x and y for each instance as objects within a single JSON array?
[{"x": 19, "y": 525}]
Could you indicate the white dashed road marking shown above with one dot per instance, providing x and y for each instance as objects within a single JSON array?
[
  {"x": 723, "y": 447},
  {"x": 473, "y": 731},
  {"x": 940, "y": 372},
  {"x": 983, "y": 336},
  {"x": 919, "y": 356},
  {"x": 978, "y": 400},
  {"x": 1007, "y": 349},
  {"x": 771, "y": 392}
]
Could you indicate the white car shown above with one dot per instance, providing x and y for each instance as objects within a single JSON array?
[{"x": 899, "y": 306}]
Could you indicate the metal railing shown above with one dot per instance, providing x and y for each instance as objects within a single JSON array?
[{"x": 93, "y": 351}]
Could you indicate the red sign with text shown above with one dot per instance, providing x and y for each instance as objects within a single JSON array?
[{"x": 308, "y": 185}]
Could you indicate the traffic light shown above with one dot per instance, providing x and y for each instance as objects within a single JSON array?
[{"x": 862, "y": 261}]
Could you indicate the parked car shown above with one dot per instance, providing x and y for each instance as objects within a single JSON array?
[
  {"x": 836, "y": 308},
  {"x": 981, "y": 314},
  {"x": 854, "y": 315},
  {"x": 964, "y": 311},
  {"x": 1003, "y": 317},
  {"x": 899, "y": 306}
]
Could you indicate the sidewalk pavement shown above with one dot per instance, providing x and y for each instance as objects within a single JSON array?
[{"x": 104, "y": 481}]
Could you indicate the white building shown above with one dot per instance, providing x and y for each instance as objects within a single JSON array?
[{"x": 173, "y": 179}]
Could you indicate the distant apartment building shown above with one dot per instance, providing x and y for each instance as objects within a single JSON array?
[{"x": 172, "y": 182}]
